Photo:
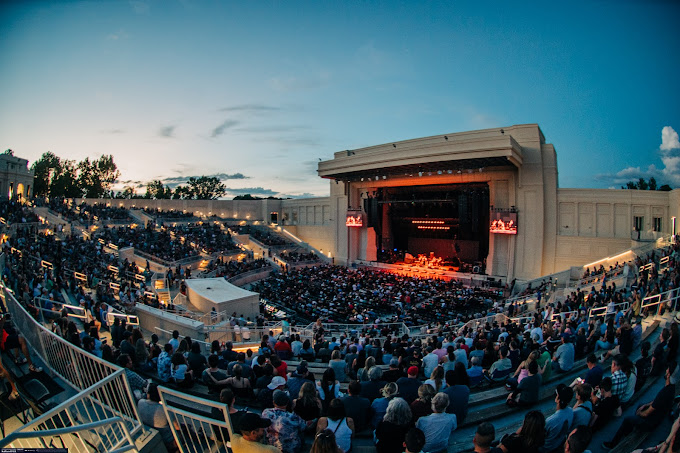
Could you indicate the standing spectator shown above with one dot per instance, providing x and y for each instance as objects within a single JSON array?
[
  {"x": 340, "y": 423},
  {"x": 437, "y": 426},
  {"x": 285, "y": 431},
  {"x": 11, "y": 341}
]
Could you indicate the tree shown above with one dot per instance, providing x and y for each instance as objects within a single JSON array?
[
  {"x": 96, "y": 177},
  {"x": 54, "y": 177},
  {"x": 127, "y": 193},
  {"x": 641, "y": 184},
  {"x": 182, "y": 193},
  {"x": 246, "y": 196},
  {"x": 155, "y": 190},
  {"x": 206, "y": 188}
]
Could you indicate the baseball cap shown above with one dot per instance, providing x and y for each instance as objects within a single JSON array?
[
  {"x": 251, "y": 422},
  {"x": 281, "y": 398},
  {"x": 276, "y": 382},
  {"x": 413, "y": 371}
]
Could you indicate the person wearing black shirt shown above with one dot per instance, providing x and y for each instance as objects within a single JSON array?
[
  {"x": 394, "y": 373},
  {"x": 357, "y": 407},
  {"x": 408, "y": 386},
  {"x": 649, "y": 415}
]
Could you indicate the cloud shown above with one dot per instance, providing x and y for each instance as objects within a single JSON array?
[
  {"x": 140, "y": 7},
  {"x": 251, "y": 108},
  {"x": 254, "y": 191},
  {"x": 669, "y": 139},
  {"x": 167, "y": 131},
  {"x": 219, "y": 130},
  {"x": 220, "y": 176},
  {"x": 669, "y": 153},
  {"x": 120, "y": 34},
  {"x": 113, "y": 131}
]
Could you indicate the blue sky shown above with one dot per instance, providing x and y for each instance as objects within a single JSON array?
[{"x": 257, "y": 92}]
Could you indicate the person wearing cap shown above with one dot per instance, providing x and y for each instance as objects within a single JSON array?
[
  {"x": 557, "y": 426},
  {"x": 252, "y": 428},
  {"x": 563, "y": 359},
  {"x": 266, "y": 394},
  {"x": 408, "y": 386},
  {"x": 285, "y": 431},
  {"x": 299, "y": 377}
]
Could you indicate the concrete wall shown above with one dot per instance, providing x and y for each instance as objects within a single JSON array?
[{"x": 150, "y": 318}]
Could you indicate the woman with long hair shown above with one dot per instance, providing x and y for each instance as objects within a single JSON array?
[
  {"x": 338, "y": 422},
  {"x": 307, "y": 405},
  {"x": 462, "y": 378},
  {"x": 437, "y": 379},
  {"x": 359, "y": 362},
  {"x": 362, "y": 374},
  {"x": 179, "y": 371},
  {"x": 328, "y": 388},
  {"x": 379, "y": 405},
  {"x": 240, "y": 385},
  {"x": 391, "y": 431},
  {"x": 522, "y": 371},
  {"x": 529, "y": 438},
  {"x": 324, "y": 442},
  {"x": 449, "y": 360}
]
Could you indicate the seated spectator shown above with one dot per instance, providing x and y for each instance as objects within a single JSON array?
[
  {"x": 594, "y": 374},
  {"x": 484, "y": 437},
  {"x": 578, "y": 440},
  {"x": 265, "y": 396},
  {"x": 246, "y": 371},
  {"x": 324, "y": 442},
  {"x": 371, "y": 389},
  {"x": 379, "y": 405},
  {"x": 152, "y": 414},
  {"x": 437, "y": 426},
  {"x": 340, "y": 423},
  {"x": 619, "y": 378},
  {"x": 180, "y": 373},
  {"x": 196, "y": 360},
  {"x": 252, "y": 428},
  {"x": 558, "y": 425},
  {"x": 138, "y": 385},
  {"x": 391, "y": 430},
  {"x": 267, "y": 375},
  {"x": 500, "y": 365},
  {"x": 357, "y": 407},
  {"x": 297, "y": 378},
  {"x": 227, "y": 398},
  {"x": 522, "y": 371},
  {"x": 165, "y": 363},
  {"x": 14, "y": 393},
  {"x": 282, "y": 348},
  {"x": 605, "y": 404},
  {"x": 414, "y": 441},
  {"x": 213, "y": 373},
  {"x": 239, "y": 384},
  {"x": 328, "y": 388},
  {"x": 436, "y": 380},
  {"x": 307, "y": 404},
  {"x": 430, "y": 361},
  {"x": 285, "y": 431},
  {"x": 408, "y": 386},
  {"x": 648, "y": 416},
  {"x": 583, "y": 409},
  {"x": 527, "y": 391},
  {"x": 563, "y": 359},
  {"x": 422, "y": 406},
  {"x": 529, "y": 438},
  {"x": 458, "y": 397},
  {"x": 280, "y": 367},
  {"x": 475, "y": 371},
  {"x": 643, "y": 365},
  {"x": 394, "y": 372},
  {"x": 339, "y": 366}
]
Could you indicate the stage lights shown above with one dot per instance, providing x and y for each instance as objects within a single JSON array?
[
  {"x": 435, "y": 222},
  {"x": 427, "y": 227}
]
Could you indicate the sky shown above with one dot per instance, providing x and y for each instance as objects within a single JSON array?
[{"x": 256, "y": 92}]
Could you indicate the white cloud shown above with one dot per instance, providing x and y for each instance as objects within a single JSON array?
[{"x": 669, "y": 139}]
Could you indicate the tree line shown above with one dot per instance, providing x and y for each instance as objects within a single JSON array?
[{"x": 58, "y": 177}]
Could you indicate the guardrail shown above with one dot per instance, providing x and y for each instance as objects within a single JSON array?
[
  {"x": 95, "y": 418},
  {"x": 671, "y": 298},
  {"x": 602, "y": 311},
  {"x": 193, "y": 423}
]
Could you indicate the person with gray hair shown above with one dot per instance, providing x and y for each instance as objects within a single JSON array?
[
  {"x": 390, "y": 433},
  {"x": 438, "y": 426},
  {"x": 371, "y": 389}
]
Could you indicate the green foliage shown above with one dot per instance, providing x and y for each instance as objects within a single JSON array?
[
  {"x": 95, "y": 178},
  {"x": 641, "y": 184},
  {"x": 246, "y": 197},
  {"x": 55, "y": 177},
  {"x": 155, "y": 190},
  {"x": 201, "y": 188}
]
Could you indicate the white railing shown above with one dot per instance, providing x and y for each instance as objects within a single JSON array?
[
  {"x": 602, "y": 311},
  {"x": 193, "y": 423},
  {"x": 93, "y": 419},
  {"x": 565, "y": 315},
  {"x": 671, "y": 298}
]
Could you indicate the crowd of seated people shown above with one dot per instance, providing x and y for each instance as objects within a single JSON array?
[
  {"x": 230, "y": 268},
  {"x": 160, "y": 214},
  {"x": 298, "y": 257},
  {"x": 15, "y": 211},
  {"x": 343, "y": 295},
  {"x": 265, "y": 237}
]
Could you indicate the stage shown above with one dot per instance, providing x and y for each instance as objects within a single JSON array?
[{"x": 442, "y": 273}]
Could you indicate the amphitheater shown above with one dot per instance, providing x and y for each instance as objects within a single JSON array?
[{"x": 418, "y": 241}]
